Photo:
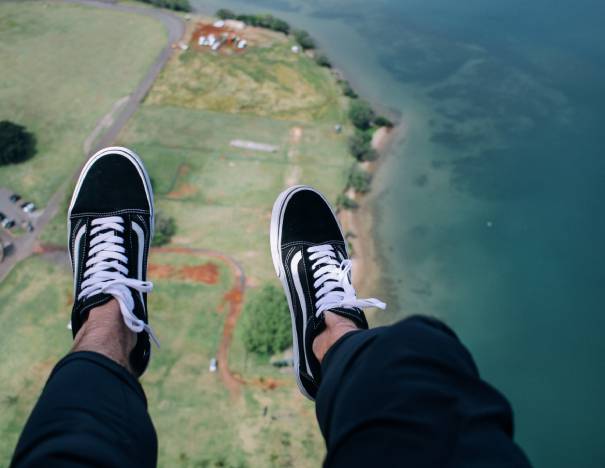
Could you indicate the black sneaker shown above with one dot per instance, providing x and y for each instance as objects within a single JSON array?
[
  {"x": 311, "y": 260},
  {"x": 110, "y": 226}
]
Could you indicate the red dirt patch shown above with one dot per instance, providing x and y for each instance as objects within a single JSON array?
[
  {"x": 160, "y": 271},
  {"x": 207, "y": 273},
  {"x": 229, "y": 36}
]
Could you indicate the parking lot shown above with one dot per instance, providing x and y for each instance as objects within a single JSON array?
[{"x": 13, "y": 210}]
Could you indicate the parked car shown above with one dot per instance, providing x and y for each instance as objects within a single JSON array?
[
  {"x": 28, "y": 207},
  {"x": 213, "y": 365},
  {"x": 15, "y": 198},
  {"x": 8, "y": 223}
]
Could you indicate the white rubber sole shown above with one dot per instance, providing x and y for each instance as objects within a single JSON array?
[{"x": 277, "y": 218}]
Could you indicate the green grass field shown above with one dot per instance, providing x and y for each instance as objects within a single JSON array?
[
  {"x": 221, "y": 199},
  {"x": 267, "y": 81},
  {"x": 62, "y": 68}
]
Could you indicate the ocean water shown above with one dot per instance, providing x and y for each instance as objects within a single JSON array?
[{"x": 491, "y": 213}]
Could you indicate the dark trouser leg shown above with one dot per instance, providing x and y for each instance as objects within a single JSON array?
[
  {"x": 92, "y": 412},
  {"x": 410, "y": 395}
]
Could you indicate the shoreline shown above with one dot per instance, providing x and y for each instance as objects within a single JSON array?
[
  {"x": 359, "y": 224},
  {"x": 367, "y": 271}
]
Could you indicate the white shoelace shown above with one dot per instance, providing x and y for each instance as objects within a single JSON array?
[
  {"x": 105, "y": 271},
  {"x": 333, "y": 285}
]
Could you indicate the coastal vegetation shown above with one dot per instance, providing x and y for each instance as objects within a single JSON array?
[
  {"x": 16, "y": 143},
  {"x": 304, "y": 39},
  {"x": 322, "y": 60},
  {"x": 382, "y": 121},
  {"x": 359, "y": 180},
  {"x": 347, "y": 89},
  {"x": 345, "y": 202},
  {"x": 177, "y": 5},
  {"x": 360, "y": 146},
  {"x": 262, "y": 21},
  {"x": 361, "y": 114}
]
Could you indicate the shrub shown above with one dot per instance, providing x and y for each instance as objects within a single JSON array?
[
  {"x": 165, "y": 228},
  {"x": 370, "y": 155},
  {"x": 323, "y": 61},
  {"x": 359, "y": 179},
  {"x": 346, "y": 203},
  {"x": 359, "y": 145},
  {"x": 304, "y": 39},
  {"x": 267, "y": 329},
  {"x": 225, "y": 14},
  {"x": 265, "y": 21},
  {"x": 361, "y": 114},
  {"x": 347, "y": 90},
  {"x": 16, "y": 143},
  {"x": 381, "y": 121},
  {"x": 177, "y": 5}
]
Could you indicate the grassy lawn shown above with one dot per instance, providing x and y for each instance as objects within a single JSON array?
[
  {"x": 62, "y": 68},
  {"x": 33, "y": 337},
  {"x": 220, "y": 196}
]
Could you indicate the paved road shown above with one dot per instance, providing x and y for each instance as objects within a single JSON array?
[{"x": 175, "y": 26}]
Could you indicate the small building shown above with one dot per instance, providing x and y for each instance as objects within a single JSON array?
[{"x": 296, "y": 49}]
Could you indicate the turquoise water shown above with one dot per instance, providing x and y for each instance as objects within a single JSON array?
[{"x": 491, "y": 216}]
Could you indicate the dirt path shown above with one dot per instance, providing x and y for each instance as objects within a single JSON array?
[
  {"x": 111, "y": 123},
  {"x": 234, "y": 298}
]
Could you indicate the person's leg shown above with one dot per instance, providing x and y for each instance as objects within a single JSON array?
[
  {"x": 92, "y": 411},
  {"x": 408, "y": 395},
  {"x": 404, "y": 395}
]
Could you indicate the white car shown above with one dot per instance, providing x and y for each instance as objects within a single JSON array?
[
  {"x": 28, "y": 207},
  {"x": 213, "y": 365}
]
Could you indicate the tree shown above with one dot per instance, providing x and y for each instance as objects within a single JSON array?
[
  {"x": 304, "y": 39},
  {"x": 16, "y": 143},
  {"x": 361, "y": 114},
  {"x": 359, "y": 145},
  {"x": 323, "y": 61},
  {"x": 381, "y": 121},
  {"x": 359, "y": 179},
  {"x": 347, "y": 90},
  {"x": 225, "y": 14},
  {"x": 344, "y": 202},
  {"x": 165, "y": 228},
  {"x": 177, "y": 5},
  {"x": 265, "y": 21},
  {"x": 266, "y": 325}
]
